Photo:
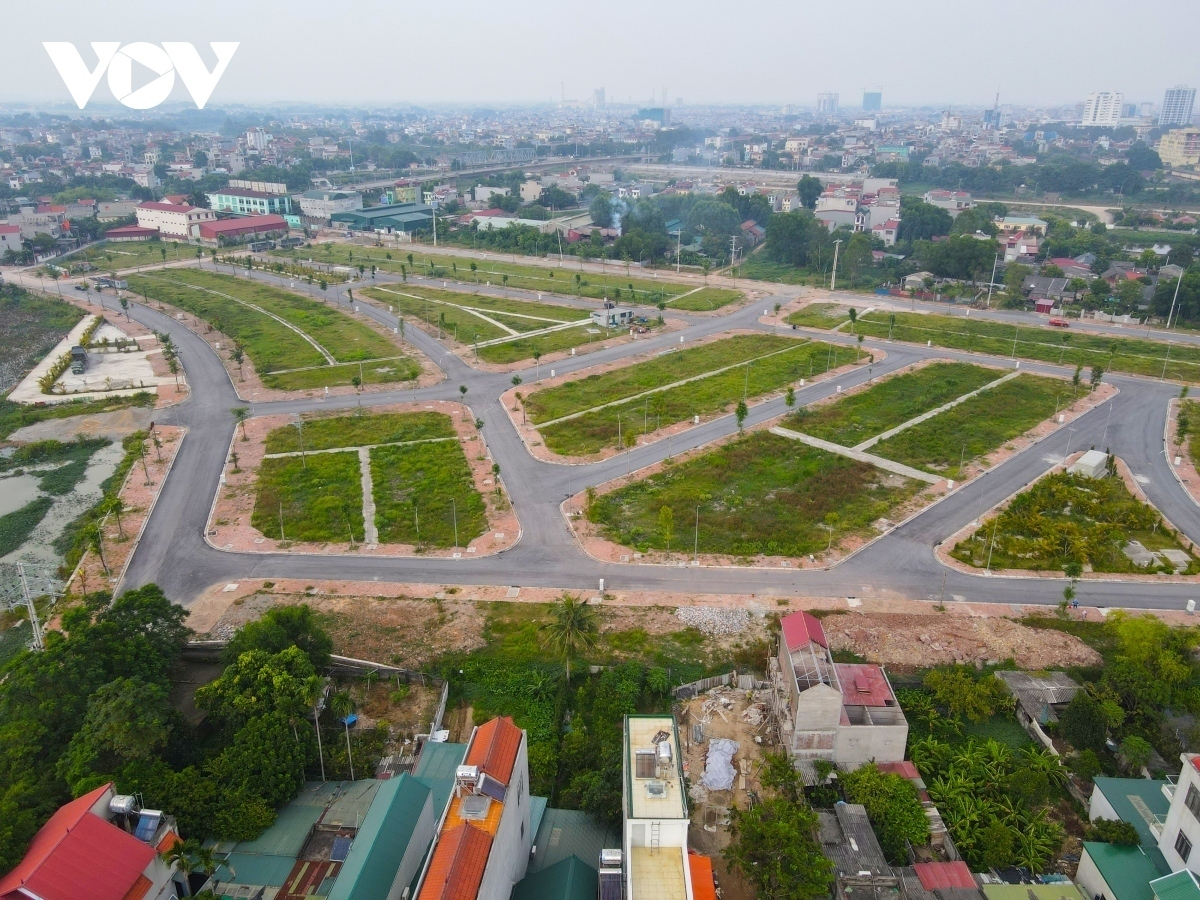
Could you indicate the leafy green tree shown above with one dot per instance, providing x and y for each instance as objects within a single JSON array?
[
  {"x": 240, "y": 415},
  {"x": 958, "y": 690},
  {"x": 666, "y": 525},
  {"x": 997, "y": 843},
  {"x": 279, "y": 628},
  {"x": 1137, "y": 751},
  {"x": 572, "y": 629},
  {"x": 601, "y": 210},
  {"x": 809, "y": 189},
  {"x": 741, "y": 412},
  {"x": 921, "y": 221},
  {"x": 342, "y": 706},
  {"x": 1082, "y": 724},
  {"x": 1112, "y": 831},
  {"x": 258, "y": 683},
  {"x": 774, "y": 847},
  {"x": 1086, "y": 765},
  {"x": 714, "y": 218},
  {"x": 894, "y": 808},
  {"x": 266, "y": 759},
  {"x": 789, "y": 399}
]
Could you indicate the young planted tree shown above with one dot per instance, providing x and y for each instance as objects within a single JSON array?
[
  {"x": 741, "y": 413},
  {"x": 666, "y": 525},
  {"x": 240, "y": 415},
  {"x": 789, "y": 398}
]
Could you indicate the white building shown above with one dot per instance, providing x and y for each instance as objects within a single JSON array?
[
  {"x": 842, "y": 712},
  {"x": 173, "y": 219},
  {"x": 1103, "y": 108},
  {"x": 953, "y": 202},
  {"x": 10, "y": 239},
  {"x": 531, "y": 191},
  {"x": 485, "y": 193},
  {"x": 1177, "y": 106},
  {"x": 319, "y": 204},
  {"x": 827, "y": 103}
]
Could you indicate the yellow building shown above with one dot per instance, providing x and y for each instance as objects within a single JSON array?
[{"x": 1180, "y": 147}]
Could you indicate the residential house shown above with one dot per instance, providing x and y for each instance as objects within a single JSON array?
[
  {"x": 953, "y": 202},
  {"x": 843, "y": 712},
  {"x": 886, "y": 231},
  {"x": 111, "y": 210},
  {"x": 173, "y": 219},
  {"x": 1142, "y": 802},
  {"x": 1180, "y": 147},
  {"x": 1020, "y": 247},
  {"x": 1011, "y": 224},
  {"x": 752, "y": 233},
  {"x": 10, "y": 239},
  {"x": 322, "y": 204},
  {"x": 531, "y": 191},
  {"x": 1117, "y": 872}
]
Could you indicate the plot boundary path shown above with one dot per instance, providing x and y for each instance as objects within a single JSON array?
[
  {"x": 878, "y": 461},
  {"x": 370, "y": 530},
  {"x": 917, "y": 420}
]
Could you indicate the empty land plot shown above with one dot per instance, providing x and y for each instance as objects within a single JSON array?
[
  {"x": 706, "y": 299},
  {"x": 30, "y": 326},
  {"x": 451, "y": 319},
  {"x": 129, "y": 254},
  {"x": 360, "y": 431},
  {"x": 559, "y": 280},
  {"x": 1065, "y": 519},
  {"x": 422, "y": 491},
  {"x": 1061, "y": 346},
  {"x": 819, "y": 315},
  {"x": 891, "y": 402},
  {"x": 548, "y": 342},
  {"x": 717, "y": 393},
  {"x": 315, "y": 498},
  {"x": 273, "y": 347},
  {"x": 977, "y": 426},
  {"x": 760, "y": 494}
]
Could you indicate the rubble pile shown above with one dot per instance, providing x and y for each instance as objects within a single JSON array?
[{"x": 714, "y": 622}]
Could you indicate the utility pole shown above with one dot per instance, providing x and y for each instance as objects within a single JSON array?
[
  {"x": 995, "y": 263},
  {"x": 678, "y": 248},
  {"x": 696, "y": 539},
  {"x": 1178, "y": 282},
  {"x": 833, "y": 280},
  {"x": 39, "y": 638}
]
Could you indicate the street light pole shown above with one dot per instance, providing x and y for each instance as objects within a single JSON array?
[
  {"x": 833, "y": 280},
  {"x": 992, "y": 282},
  {"x": 1178, "y": 282}
]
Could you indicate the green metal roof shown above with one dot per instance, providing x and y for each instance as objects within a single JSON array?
[
  {"x": 372, "y": 863},
  {"x": 1064, "y": 891},
  {"x": 1126, "y": 870},
  {"x": 439, "y": 760},
  {"x": 376, "y": 215},
  {"x": 568, "y": 832},
  {"x": 1180, "y": 885},
  {"x": 568, "y": 879},
  {"x": 1136, "y": 801},
  {"x": 286, "y": 836},
  {"x": 251, "y": 868}
]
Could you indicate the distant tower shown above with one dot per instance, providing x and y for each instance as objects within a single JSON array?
[
  {"x": 872, "y": 100},
  {"x": 598, "y": 98},
  {"x": 1177, "y": 105},
  {"x": 827, "y": 103}
]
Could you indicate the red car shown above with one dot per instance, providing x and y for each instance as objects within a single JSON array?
[{"x": 1060, "y": 323}]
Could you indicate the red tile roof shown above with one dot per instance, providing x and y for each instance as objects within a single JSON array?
[
  {"x": 167, "y": 207},
  {"x": 242, "y": 225},
  {"x": 905, "y": 768},
  {"x": 131, "y": 231},
  {"x": 800, "y": 628},
  {"x": 140, "y": 889},
  {"x": 456, "y": 869},
  {"x": 936, "y": 876},
  {"x": 78, "y": 854},
  {"x": 494, "y": 748},
  {"x": 863, "y": 685},
  {"x": 10, "y": 229}
]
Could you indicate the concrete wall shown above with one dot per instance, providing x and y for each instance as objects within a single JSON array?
[
  {"x": 1099, "y": 807},
  {"x": 857, "y": 745},
  {"x": 1090, "y": 881},
  {"x": 1180, "y": 818},
  {"x": 510, "y": 848}
]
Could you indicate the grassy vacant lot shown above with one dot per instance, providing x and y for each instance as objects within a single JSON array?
[
  {"x": 760, "y": 268},
  {"x": 706, "y": 299},
  {"x": 128, "y": 254},
  {"x": 1067, "y": 519},
  {"x": 318, "y": 498},
  {"x": 594, "y": 430},
  {"x": 271, "y": 345},
  {"x": 1133, "y": 355},
  {"x": 30, "y": 326},
  {"x": 633, "y": 288},
  {"x": 819, "y": 315},
  {"x": 419, "y": 489},
  {"x": 358, "y": 431},
  {"x": 759, "y": 494},
  {"x": 889, "y": 403},
  {"x": 979, "y": 425}
]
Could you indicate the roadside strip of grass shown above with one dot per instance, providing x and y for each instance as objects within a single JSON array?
[
  {"x": 523, "y": 348},
  {"x": 977, "y": 426},
  {"x": 421, "y": 491},
  {"x": 705, "y": 299},
  {"x": 359, "y": 431},
  {"x": 819, "y": 315},
  {"x": 318, "y": 498},
  {"x": 455, "y": 320},
  {"x": 130, "y": 254},
  {"x": 890, "y": 402},
  {"x": 758, "y": 494},
  {"x": 1135, "y": 356},
  {"x": 375, "y": 371}
]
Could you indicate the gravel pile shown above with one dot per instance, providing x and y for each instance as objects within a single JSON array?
[{"x": 714, "y": 622}]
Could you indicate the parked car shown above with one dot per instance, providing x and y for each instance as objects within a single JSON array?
[{"x": 1060, "y": 323}]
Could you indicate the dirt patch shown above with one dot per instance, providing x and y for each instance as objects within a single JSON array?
[{"x": 921, "y": 641}]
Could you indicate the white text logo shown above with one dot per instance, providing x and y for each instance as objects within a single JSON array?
[{"x": 118, "y": 60}]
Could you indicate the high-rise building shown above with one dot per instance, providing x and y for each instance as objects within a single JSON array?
[
  {"x": 1102, "y": 109},
  {"x": 1177, "y": 105},
  {"x": 827, "y": 103},
  {"x": 598, "y": 98},
  {"x": 872, "y": 100}
]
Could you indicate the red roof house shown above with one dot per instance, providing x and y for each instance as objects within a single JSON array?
[
  {"x": 802, "y": 628},
  {"x": 937, "y": 876}
]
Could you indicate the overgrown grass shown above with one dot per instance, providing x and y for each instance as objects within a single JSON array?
[
  {"x": 890, "y": 402},
  {"x": 819, "y": 315},
  {"x": 1002, "y": 727},
  {"x": 376, "y": 371},
  {"x": 421, "y": 490},
  {"x": 561, "y": 280},
  {"x": 593, "y": 431},
  {"x": 706, "y": 299},
  {"x": 30, "y": 326},
  {"x": 16, "y": 527},
  {"x": 129, "y": 254},
  {"x": 318, "y": 498},
  {"x": 327, "y": 433},
  {"x": 523, "y": 348},
  {"x": 1135, "y": 356},
  {"x": 18, "y": 415},
  {"x": 977, "y": 426},
  {"x": 1067, "y": 518},
  {"x": 460, "y": 324},
  {"x": 71, "y": 458},
  {"x": 759, "y": 494},
  {"x": 760, "y": 268},
  {"x": 72, "y": 542}
]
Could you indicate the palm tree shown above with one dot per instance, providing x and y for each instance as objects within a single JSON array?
[
  {"x": 342, "y": 706},
  {"x": 187, "y": 857},
  {"x": 572, "y": 628},
  {"x": 240, "y": 415},
  {"x": 314, "y": 697}
]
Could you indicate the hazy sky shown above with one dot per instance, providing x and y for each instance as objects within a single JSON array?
[{"x": 768, "y": 51}]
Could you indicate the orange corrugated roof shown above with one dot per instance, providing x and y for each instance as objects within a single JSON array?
[
  {"x": 456, "y": 869},
  {"x": 170, "y": 839},
  {"x": 494, "y": 748},
  {"x": 140, "y": 888},
  {"x": 489, "y": 824},
  {"x": 703, "y": 885}
]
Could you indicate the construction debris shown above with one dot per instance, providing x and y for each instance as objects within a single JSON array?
[
  {"x": 714, "y": 622},
  {"x": 718, "y": 766}
]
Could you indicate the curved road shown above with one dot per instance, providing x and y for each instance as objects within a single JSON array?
[{"x": 174, "y": 553}]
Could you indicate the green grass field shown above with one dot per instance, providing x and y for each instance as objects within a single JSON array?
[
  {"x": 819, "y": 315},
  {"x": 633, "y": 288},
  {"x": 129, "y": 254},
  {"x": 759, "y": 494},
  {"x": 759, "y": 268},
  {"x": 1135, "y": 356},
  {"x": 271, "y": 345},
  {"x": 328, "y": 433},
  {"x": 1068, "y": 518},
  {"x": 706, "y": 299},
  {"x": 318, "y": 498},
  {"x": 595, "y": 430},
  {"x": 524, "y": 348},
  {"x": 977, "y": 426},
  {"x": 420, "y": 489},
  {"x": 890, "y": 402}
]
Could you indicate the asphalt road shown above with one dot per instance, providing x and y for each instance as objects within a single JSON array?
[{"x": 173, "y": 551}]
